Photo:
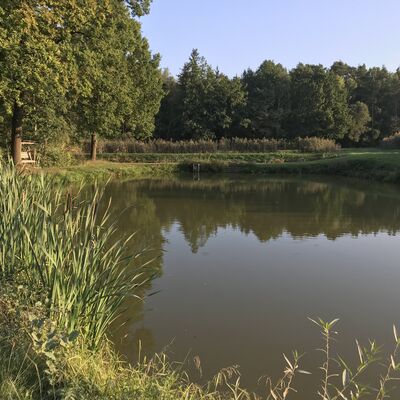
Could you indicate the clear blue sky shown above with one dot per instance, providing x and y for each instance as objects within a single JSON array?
[{"x": 237, "y": 34}]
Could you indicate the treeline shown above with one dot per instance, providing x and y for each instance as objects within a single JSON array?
[
  {"x": 71, "y": 69},
  {"x": 353, "y": 105}
]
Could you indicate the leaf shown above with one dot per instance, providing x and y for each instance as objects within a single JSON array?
[
  {"x": 360, "y": 352},
  {"x": 301, "y": 371},
  {"x": 50, "y": 355},
  {"x": 345, "y": 377},
  {"x": 287, "y": 360},
  {"x": 73, "y": 336}
]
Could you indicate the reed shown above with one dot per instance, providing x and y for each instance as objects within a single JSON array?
[
  {"x": 223, "y": 145},
  {"x": 67, "y": 252}
]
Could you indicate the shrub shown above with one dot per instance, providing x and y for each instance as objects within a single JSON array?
[
  {"x": 316, "y": 145},
  {"x": 391, "y": 142},
  {"x": 53, "y": 156}
]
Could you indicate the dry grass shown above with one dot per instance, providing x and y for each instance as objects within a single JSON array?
[{"x": 211, "y": 146}]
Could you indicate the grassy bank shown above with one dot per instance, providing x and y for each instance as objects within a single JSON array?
[
  {"x": 267, "y": 157},
  {"x": 375, "y": 164}
]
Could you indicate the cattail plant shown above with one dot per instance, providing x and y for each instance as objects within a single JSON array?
[{"x": 67, "y": 251}]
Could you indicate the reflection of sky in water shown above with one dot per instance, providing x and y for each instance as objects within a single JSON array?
[{"x": 238, "y": 280}]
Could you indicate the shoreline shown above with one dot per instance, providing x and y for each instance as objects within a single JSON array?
[{"x": 378, "y": 165}]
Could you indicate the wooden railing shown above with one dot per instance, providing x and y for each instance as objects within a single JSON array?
[{"x": 28, "y": 153}]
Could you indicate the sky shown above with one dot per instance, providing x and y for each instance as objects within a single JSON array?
[{"x": 234, "y": 35}]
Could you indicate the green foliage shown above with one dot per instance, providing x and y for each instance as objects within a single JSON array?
[
  {"x": 76, "y": 68},
  {"x": 318, "y": 103},
  {"x": 58, "y": 155},
  {"x": 268, "y": 104},
  {"x": 67, "y": 252},
  {"x": 360, "y": 119},
  {"x": 203, "y": 104},
  {"x": 347, "y": 104},
  {"x": 122, "y": 79},
  {"x": 372, "y": 164},
  {"x": 40, "y": 363}
]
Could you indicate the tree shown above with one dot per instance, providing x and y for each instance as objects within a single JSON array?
[
  {"x": 268, "y": 100},
  {"x": 319, "y": 103},
  {"x": 202, "y": 104},
  {"x": 225, "y": 99},
  {"x": 380, "y": 90},
  {"x": 146, "y": 89},
  {"x": 360, "y": 119},
  {"x": 48, "y": 62},
  {"x": 35, "y": 57},
  {"x": 167, "y": 120},
  {"x": 122, "y": 81}
]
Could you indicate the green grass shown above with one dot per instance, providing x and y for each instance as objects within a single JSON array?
[
  {"x": 375, "y": 164},
  {"x": 284, "y": 156}
]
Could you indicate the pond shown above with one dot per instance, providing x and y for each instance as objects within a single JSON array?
[{"x": 242, "y": 262}]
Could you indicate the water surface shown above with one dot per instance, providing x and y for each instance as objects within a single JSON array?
[{"x": 242, "y": 262}]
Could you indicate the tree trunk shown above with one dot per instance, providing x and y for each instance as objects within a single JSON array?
[
  {"x": 16, "y": 133},
  {"x": 93, "y": 148}
]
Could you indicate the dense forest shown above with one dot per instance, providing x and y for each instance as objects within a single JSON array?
[
  {"x": 69, "y": 70},
  {"x": 353, "y": 105}
]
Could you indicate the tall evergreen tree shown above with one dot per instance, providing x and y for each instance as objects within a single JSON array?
[{"x": 204, "y": 103}]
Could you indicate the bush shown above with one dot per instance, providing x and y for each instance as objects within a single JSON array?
[
  {"x": 53, "y": 156},
  {"x": 391, "y": 142},
  {"x": 316, "y": 145}
]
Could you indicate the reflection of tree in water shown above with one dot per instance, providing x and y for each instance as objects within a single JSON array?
[{"x": 265, "y": 207}]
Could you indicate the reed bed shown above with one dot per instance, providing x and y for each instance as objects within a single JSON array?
[
  {"x": 312, "y": 144},
  {"x": 66, "y": 252}
]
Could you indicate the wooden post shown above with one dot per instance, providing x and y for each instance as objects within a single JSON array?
[
  {"x": 93, "y": 148},
  {"x": 16, "y": 134}
]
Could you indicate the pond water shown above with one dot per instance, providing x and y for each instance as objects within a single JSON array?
[{"x": 243, "y": 262}]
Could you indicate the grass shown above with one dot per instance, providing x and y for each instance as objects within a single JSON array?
[
  {"x": 275, "y": 156},
  {"x": 374, "y": 164}
]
